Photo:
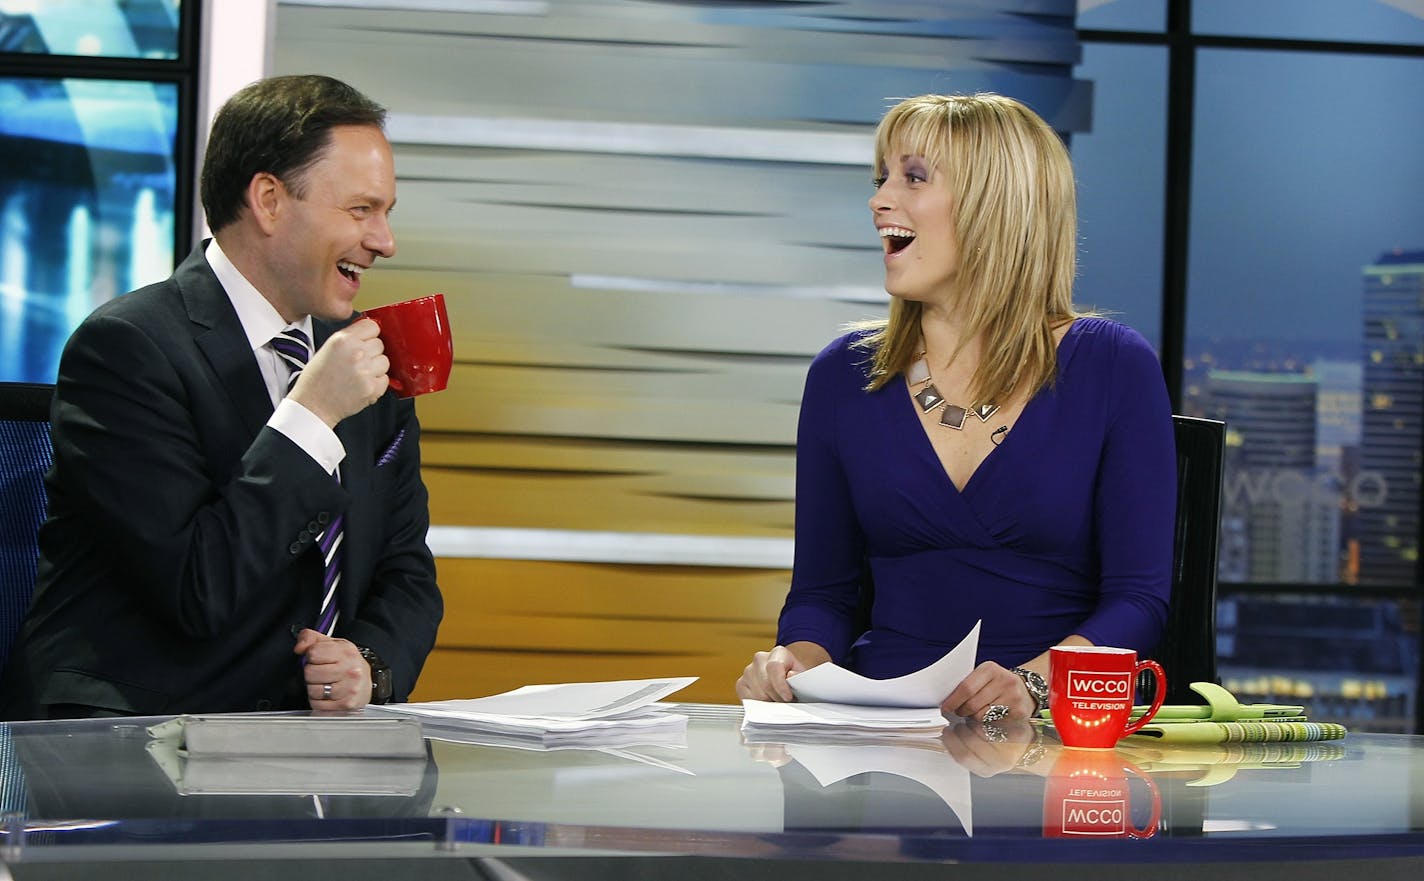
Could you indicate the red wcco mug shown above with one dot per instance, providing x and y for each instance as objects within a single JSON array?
[
  {"x": 1087, "y": 796},
  {"x": 416, "y": 336},
  {"x": 1090, "y": 692}
]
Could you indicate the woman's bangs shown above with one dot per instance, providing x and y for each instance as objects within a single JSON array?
[{"x": 919, "y": 131}]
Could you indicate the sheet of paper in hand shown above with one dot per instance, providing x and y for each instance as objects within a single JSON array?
[{"x": 927, "y": 687}]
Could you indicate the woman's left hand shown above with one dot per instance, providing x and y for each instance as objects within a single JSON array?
[{"x": 990, "y": 685}]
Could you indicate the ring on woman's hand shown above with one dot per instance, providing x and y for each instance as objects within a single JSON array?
[
  {"x": 995, "y": 713},
  {"x": 326, "y": 692}
]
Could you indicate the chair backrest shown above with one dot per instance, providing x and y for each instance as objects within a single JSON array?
[
  {"x": 1188, "y": 648},
  {"x": 25, "y": 456}
]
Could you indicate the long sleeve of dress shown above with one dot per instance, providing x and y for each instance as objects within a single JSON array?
[
  {"x": 1134, "y": 501},
  {"x": 821, "y": 606}
]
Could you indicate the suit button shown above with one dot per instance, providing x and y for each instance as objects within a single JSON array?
[
  {"x": 314, "y": 527},
  {"x": 264, "y": 704},
  {"x": 323, "y": 518},
  {"x": 294, "y": 548}
]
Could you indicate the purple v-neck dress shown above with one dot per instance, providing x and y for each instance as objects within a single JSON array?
[{"x": 1065, "y": 528}]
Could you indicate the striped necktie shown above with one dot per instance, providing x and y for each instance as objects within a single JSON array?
[{"x": 293, "y": 347}]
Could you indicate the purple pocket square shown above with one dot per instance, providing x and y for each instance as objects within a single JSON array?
[{"x": 391, "y": 449}]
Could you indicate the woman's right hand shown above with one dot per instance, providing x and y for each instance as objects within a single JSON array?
[{"x": 765, "y": 677}]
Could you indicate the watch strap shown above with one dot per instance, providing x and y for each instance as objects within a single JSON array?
[{"x": 381, "y": 685}]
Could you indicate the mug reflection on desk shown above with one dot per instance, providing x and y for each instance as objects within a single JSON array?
[{"x": 1088, "y": 796}]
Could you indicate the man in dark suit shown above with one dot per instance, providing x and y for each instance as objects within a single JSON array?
[{"x": 194, "y": 498}]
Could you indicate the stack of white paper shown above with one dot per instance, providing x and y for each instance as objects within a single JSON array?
[
  {"x": 833, "y": 702},
  {"x": 595, "y": 714},
  {"x": 767, "y": 720}
]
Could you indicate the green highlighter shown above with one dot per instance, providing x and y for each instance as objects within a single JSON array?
[{"x": 1221, "y": 706}]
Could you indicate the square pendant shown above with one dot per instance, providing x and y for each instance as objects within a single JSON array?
[
  {"x": 984, "y": 411},
  {"x": 929, "y": 398},
  {"x": 919, "y": 372},
  {"x": 953, "y": 416}
]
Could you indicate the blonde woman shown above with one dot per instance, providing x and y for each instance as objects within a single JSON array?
[{"x": 987, "y": 453}]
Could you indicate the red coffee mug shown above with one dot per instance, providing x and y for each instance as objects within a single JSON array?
[
  {"x": 416, "y": 334},
  {"x": 1087, "y": 796},
  {"x": 1090, "y": 692}
]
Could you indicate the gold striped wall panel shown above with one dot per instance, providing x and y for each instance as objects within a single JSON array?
[
  {"x": 535, "y": 482},
  {"x": 511, "y": 623}
]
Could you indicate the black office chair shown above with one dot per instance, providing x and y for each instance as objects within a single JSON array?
[
  {"x": 1188, "y": 648},
  {"x": 25, "y": 456}
]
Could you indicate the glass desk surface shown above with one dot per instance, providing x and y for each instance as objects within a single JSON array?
[{"x": 87, "y": 790}]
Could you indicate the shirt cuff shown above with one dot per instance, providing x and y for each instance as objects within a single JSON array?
[{"x": 303, "y": 428}]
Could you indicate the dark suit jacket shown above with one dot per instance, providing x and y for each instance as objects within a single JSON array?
[{"x": 178, "y": 552}]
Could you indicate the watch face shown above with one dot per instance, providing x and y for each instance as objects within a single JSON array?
[{"x": 1035, "y": 685}]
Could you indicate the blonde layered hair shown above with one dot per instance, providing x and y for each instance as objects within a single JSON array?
[{"x": 1015, "y": 219}]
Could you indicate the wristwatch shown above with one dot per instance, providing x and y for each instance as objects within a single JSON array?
[
  {"x": 381, "y": 687},
  {"x": 1037, "y": 688}
]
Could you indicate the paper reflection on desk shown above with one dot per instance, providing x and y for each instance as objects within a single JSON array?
[
  {"x": 928, "y": 765},
  {"x": 873, "y": 784}
]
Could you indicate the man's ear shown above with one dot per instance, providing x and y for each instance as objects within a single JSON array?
[{"x": 265, "y": 198}]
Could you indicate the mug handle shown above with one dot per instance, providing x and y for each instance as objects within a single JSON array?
[
  {"x": 1158, "y": 695},
  {"x": 1149, "y": 828}
]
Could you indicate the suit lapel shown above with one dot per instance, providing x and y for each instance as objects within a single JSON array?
[{"x": 218, "y": 334}]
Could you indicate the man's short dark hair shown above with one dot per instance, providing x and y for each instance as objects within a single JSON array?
[{"x": 280, "y": 126}]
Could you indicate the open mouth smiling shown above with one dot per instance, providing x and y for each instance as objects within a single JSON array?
[
  {"x": 350, "y": 270},
  {"x": 896, "y": 238}
]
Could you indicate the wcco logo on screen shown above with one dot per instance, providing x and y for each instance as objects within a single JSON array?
[{"x": 1090, "y": 685}]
